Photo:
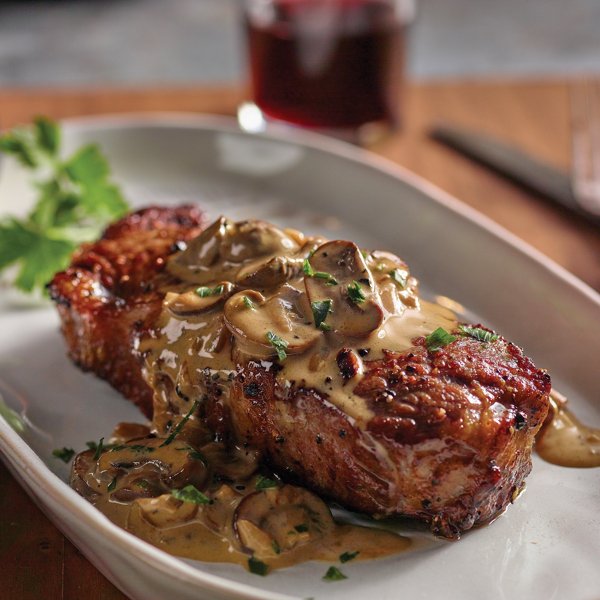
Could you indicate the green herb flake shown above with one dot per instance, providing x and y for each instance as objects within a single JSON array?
[
  {"x": 91, "y": 445},
  {"x": 205, "y": 292},
  {"x": 302, "y": 528},
  {"x": 348, "y": 556},
  {"x": 191, "y": 494},
  {"x": 278, "y": 343},
  {"x": 112, "y": 485},
  {"x": 264, "y": 483},
  {"x": 307, "y": 268},
  {"x": 99, "y": 449},
  {"x": 399, "y": 277},
  {"x": 258, "y": 567},
  {"x": 64, "y": 454},
  {"x": 276, "y": 547},
  {"x": 142, "y": 483},
  {"x": 248, "y": 303},
  {"x": 320, "y": 310},
  {"x": 355, "y": 293},
  {"x": 181, "y": 424},
  {"x": 196, "y": 455},
  {"x": 334, "y": 574},
  {"x": 329, "y": 278},
  {"x": 477, "y": 333},
  {"x": 438, "y": 339}
]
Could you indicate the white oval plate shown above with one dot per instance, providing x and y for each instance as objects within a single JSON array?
[{"x": 546, "y": 546}]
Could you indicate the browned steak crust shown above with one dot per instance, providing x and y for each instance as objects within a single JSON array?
[
  {"x": 450, "y": 443},
  {"x": 108, "y": 293},
  {"x": 451, "y": 439}
]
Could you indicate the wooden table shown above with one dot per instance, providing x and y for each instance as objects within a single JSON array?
[{"x": 36, "y": 560}]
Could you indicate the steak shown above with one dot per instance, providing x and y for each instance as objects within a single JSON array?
[{"x": 443, "y": 433}]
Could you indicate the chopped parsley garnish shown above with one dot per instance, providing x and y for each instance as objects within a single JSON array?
[
  {"x": 400, "y": 278},
  {"x": 264, "y": 483},
  {"x": 438, "y": 339},
  {"x": 190, "y": 494},
  {"x": 196, "y": 455},
  {"x": 302, "y": 528},
  {"x": 320, "y": 310},
  {"x": 142, "y": 483},
  {"x": 477, "y": 333},
  {"x": 99, "y": 449},
  {"x": 258, "y": 567},
  {"x": 279, "y": 344},
  {"x": 355, "y": 293},
  {"x": 91, "y": 445},
  {"x": 248, "y": 303},
  {"x": 310, "y": 272},
  {"x": 307, "y": 268},
  {"x": 334, "y": 574},
  {"x": 181, "y": 424},
  {"x": 205, "y": 292},
  {"x": 276, "y": 547},
  {"x": 330, "y": 279},
  {"x": 64, "y": 454},
  {"x": 347, "y": 556},
  {"x": 112, "y": 485}
]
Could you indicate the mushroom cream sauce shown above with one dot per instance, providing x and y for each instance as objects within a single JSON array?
[{"x": 250, "y": 291}]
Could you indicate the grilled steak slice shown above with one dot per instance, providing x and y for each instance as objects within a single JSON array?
[
  {"x": 109, "y": 294},
  {"x": 440, "y": 433}
]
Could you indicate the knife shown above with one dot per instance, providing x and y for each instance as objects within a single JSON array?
[{"x": 522, "y": 168}]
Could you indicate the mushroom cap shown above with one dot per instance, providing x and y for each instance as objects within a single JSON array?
[{"x": 343, "y": 262}]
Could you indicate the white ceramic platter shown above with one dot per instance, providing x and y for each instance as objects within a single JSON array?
[{"x": 546, "y": 545}]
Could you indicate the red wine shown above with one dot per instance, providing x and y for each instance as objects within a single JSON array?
[{"x": 327, "y": 63}]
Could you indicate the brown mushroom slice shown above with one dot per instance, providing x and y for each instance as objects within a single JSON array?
[
  {"x": 280, "y": 519},
  {"x": 199, "y": 300},
  {"x": 271, "y": 273},
  {"x": 337, "y": 270},
  {"x": 221, "y": 249},
  {"x": 397, "y": 289},
  {"x": 250, "y": 316},
  {"x": 236, "y": 463},
  {"x": 162, "y": 466}
]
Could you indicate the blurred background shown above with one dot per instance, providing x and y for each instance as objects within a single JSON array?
[{"x": 89, "y": 42}]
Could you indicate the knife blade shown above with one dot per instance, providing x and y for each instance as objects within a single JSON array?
[{"x": 515, "y": 164}]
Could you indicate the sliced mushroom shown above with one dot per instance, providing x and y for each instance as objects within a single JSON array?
[
  {"x": 277, "y": 520},
  {"x": 198, "y": 301},
  {"x": 397, "y": 289},
  {"x": 271, "y": 273},
  {"x": 149, "y": 467},
  {"x": 221, "y": 249},
  {"x": 340, "y": 274},
  {"x": 250, "y": 317},
  {"x": 235, "y": 462}
]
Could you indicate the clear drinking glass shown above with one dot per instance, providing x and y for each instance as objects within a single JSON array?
[{"x": 332, "y": 65}]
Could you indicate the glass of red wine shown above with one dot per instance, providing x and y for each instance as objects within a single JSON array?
[{"x": 335, "y": 66}]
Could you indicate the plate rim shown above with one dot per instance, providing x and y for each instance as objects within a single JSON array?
[{"x": 39, "y": 480}]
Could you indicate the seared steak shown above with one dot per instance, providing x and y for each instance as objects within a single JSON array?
[{"x": 439, "y": 432}]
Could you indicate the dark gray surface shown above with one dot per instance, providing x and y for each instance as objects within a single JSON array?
[{"x": 188, "y": 41}]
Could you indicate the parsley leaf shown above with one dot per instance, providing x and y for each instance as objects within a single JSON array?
[
  {"x": 477, "y": 333},
  {"x": 112, "y": 485},
  {"x": 320, "y": 310},
  {"x": 399, "y": 277},
  {"x": 191, "y": 494},
  {"x": 180, "y": 425},
  {"x": 438, "y": 339},
  {"x": 301, "y": 528},
  {"x": 334, "y": 574},
  {"x": 278, "y": 343},
  {"x": 64, "y": 454},
  {"x": 248, "y": 303},
  {"x": 258, "y": 567},
  {"x": 307, "y": 268},
  {"x": 264, "y": 483},
  {"x": 75, "y": 200},
  {"x": 347, "y": 556},
  {"x": 205, "y": 292},
  {"x": 355, "y": 293},
  {"x": 330, "y": 279}
]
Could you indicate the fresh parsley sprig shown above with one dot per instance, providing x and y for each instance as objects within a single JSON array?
[
  {"x": 438, "y": 339},
  {"x": 75, "y": 201}
]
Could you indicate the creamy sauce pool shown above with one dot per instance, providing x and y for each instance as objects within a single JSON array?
[{"x": 309, "y": 311}]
